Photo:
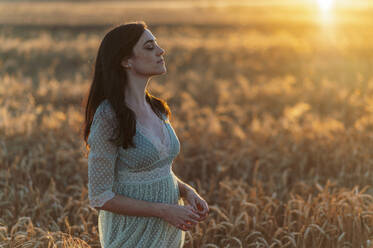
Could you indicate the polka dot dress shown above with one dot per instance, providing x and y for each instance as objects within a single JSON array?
[{"x": 143, "y": 173}]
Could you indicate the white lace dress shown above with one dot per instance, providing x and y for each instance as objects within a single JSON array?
[{"x": 143, "y": 173}]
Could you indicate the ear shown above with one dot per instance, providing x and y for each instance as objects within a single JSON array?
[{"x": 126, "y": 62}]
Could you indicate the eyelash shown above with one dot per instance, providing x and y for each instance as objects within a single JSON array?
[{"x": 150, "y": 48}]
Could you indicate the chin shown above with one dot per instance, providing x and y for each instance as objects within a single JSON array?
[
  {"x": 158, "y": 72},
  {"x": 163, "y": 71}
]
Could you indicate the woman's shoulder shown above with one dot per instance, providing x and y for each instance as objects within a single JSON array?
[{"x": 105, "y": 109}]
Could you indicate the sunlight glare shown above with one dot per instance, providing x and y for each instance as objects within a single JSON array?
[{"x": 325, "y": 5}]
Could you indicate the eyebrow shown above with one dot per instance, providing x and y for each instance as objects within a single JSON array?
[{"x": 149, "y": 41}]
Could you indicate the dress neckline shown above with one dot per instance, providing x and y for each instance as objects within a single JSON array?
[
  {"x": 146, "y": 130},
  {"x": 158, "y": 140},
  {"x": 161, "y": 148}
]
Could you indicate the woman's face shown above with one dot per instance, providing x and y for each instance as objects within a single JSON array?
[{"x": 147, "y": 59}]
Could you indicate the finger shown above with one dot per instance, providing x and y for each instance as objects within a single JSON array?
[
  {"x": 190, "y": 207},
  {"x": 194, "y": 215},
  {"x": 191, "y": 222},
  {"x": 201, "y": 215},
  {"x": 182, "y": 227},
  {"x": 193, "y": 208},
  {"x": 201, "y": 211},
  {"x": 196, "y": 211},
  {"x": 199, "y": 218},
  {"x": 192, "y": 204},
  {"x": 187, "y": 225},
  {"x": 205, "y": 216},
  {"x": 201, "y": 207},
  {"x": 205, "y": 211},
  {"x": 196, "y": 202},
  {"x": 205, "y": 208}
]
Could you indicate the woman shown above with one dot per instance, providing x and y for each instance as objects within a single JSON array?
[{"x": 132, "y": 146}]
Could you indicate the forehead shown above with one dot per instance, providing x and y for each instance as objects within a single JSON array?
[{"x": 146, "y": 35}]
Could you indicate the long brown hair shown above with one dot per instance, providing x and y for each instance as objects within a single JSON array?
[{"x": 110, "y": 81}]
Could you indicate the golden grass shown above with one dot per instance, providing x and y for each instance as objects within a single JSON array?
[
  {"x": 275, "y": 124},
  {"x": 177, "y": 12}
]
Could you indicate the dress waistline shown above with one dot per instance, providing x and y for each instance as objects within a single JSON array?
[{"x": 168, "y": 175}]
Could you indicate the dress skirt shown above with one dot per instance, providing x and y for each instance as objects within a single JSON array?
[{"x": 138, "y": 231}]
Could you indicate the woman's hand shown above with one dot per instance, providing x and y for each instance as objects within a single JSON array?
[
  {"x": 182, "y": 217},
  {"x": 199, "y": 205}
]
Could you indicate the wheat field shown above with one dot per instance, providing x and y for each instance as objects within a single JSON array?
[{"x": 272, "y": 104}]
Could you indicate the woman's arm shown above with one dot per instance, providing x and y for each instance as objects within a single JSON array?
[
  {"x": 190, "y": 194},
  {"x": 183, "y": 187},
  {"x": 129, "y": 206}
]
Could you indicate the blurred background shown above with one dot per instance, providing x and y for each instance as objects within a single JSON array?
[{"x": 272, "y": 102}]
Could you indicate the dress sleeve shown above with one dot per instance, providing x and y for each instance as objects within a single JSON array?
[{"x": 101, "y": 158}]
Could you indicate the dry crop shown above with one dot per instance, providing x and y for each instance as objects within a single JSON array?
[{"x": 274, "y": 114}]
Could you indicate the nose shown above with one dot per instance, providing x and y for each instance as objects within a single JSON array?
[{"x": 161, "y": 51}]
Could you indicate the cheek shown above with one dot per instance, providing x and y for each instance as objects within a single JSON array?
[{"x": 144, "y": 58}]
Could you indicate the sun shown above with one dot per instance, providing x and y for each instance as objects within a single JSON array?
[{"x": 325, "y": 5}]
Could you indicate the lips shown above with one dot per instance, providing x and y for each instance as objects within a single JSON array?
[{"x": 160, "y": 61}]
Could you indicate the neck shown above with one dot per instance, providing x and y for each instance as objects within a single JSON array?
[{"x": 135, "y": 92}]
